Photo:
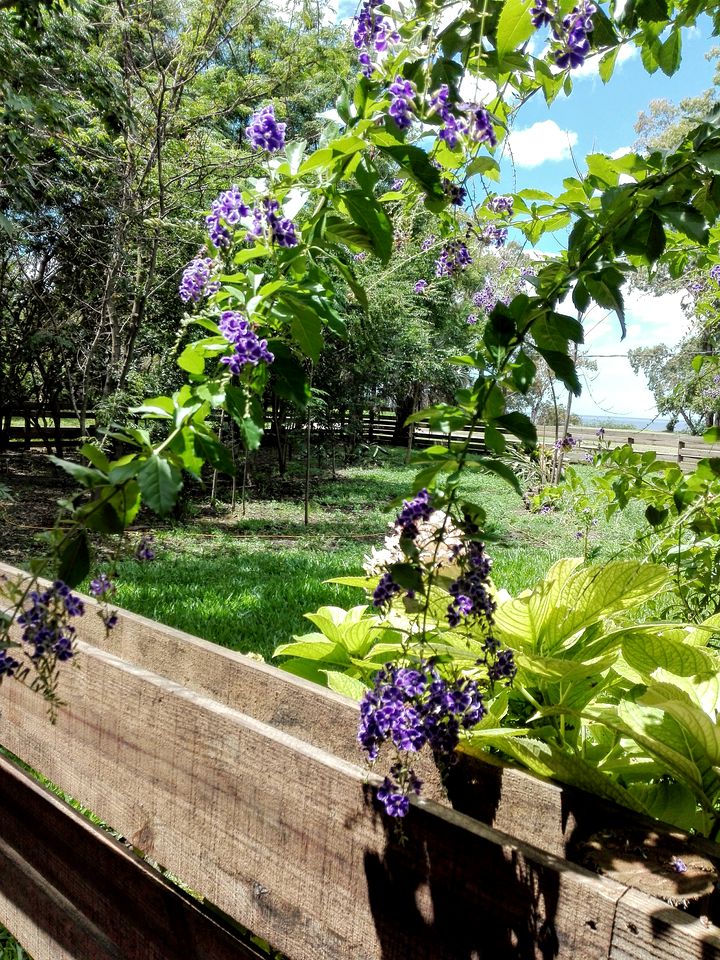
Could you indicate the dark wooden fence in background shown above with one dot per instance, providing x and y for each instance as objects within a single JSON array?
[{"x": 246, "y": 783}]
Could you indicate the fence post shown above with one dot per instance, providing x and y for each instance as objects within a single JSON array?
[
  {"x": 631, "y": 440},
  {"x": 681, "y": 445}
]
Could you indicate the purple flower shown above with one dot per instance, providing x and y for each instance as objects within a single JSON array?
[
  {"x": 360, "y": 257},
  {"x": 196, "y": 282},
  {"x": 501, "y": 205},
  {"x": 496, "y": 236},
  {"x": 600, "y": 433},
  {"x": 367, "y": 68},
  {"x": 249, "y": 349},
  {"x": 572, "y": 36},
  {"x": 427, "y": 243},
  {"x": 413, "y": 511},
  {"x": 566, "y": 443},
  {"x": 266, "y": 220},
  {"x": 45, "y": 622},
  {"x": 8, "y": 664},
  {"x": 454, "y": 192},
  {"x": 454, "y": 256},
  {"x": 264, "y": 132},
  {"x": 398, "y": 183},
  {"x": 146, "y": 548},
  {"x": 472, "y": 318},
  {"x": 409, "y": 708},
  {"x": 403, "y": 93},
  {"x": 385, "y": 591},
  {"x": 486, "y": 298},
  {"x": 225, "y": 214},
  {"x": 540, "y": 14},
  {"x": 479, "y": 125},
  {"x": 678, "y": 865},
  {"x": 470, "y": 590},
  {"x": 715, "y": 272},
  {"x": 101, "y": 585},
  {"x": 420, "y": 286}
]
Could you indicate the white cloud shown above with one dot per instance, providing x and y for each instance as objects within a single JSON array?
[
  {"x": 542, "y": 142},
  {"x": 615, "y": 389},
  {"x": 620, "y": 152},
  {"x": 591, "y": 66},
  {"x": 476, "y": 89}
]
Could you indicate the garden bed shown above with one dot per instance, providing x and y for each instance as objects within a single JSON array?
[{"x": 247, "y": 784}]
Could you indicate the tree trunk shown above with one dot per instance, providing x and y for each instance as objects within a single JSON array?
[{"x": 403, "y": 410}]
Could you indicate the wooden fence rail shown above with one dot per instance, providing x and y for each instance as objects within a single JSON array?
[{"x": 246, "y": 783}]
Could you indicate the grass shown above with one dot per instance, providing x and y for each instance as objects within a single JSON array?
[{"x": 245, "y": 582}]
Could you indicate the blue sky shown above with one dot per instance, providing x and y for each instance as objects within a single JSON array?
[{"x": 600, "y": 117}]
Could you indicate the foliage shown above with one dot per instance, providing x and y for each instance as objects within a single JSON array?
[{"x": 264, "y": 289}]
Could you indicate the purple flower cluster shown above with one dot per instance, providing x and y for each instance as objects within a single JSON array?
[
  {"x": 45, "y": 622},
  {"x": 454, "y": 192},
  {"x": 496, "y": 236},
  {"x": 501, "y": 205},
  {"x": 413, "y": 511},
  {"x": 385, "y": 591},
  {"x": 146, "y": 548},
  {"x": 225, "y": 214},
  {"x": 196, "y": 282},
  {"x": 540, "y": 14},
  {"x": 566, "y": 443},
  {"x": 471, "y": 597},
  {"x": 8, "y": 664},
  {"x": 264, "y": 132},
  {"x": 715, "y": 273},
  {"x": 479, "y": 124},
  {"x": 360, "y": 257},
  {"x": 453, "y": 126},
  {"x": 248, "y": 347},
  {"x": 427, "y": 243},
  {"x": 372, "y": 32},
  {"x": 101, "y": 585},
  {"x": 401, "y": 106},
  {"x": 472, "y": 318},
  {"x": 486, "y": 298},
  {"x": 454, "y": 256},
  {"x": 420, "y": 286},
  {"x": 600, "y": 433},
  {"x": 573, "y": 36},
  {"x": 411, "y": 707},
  {"x": 266, "y": 217}
]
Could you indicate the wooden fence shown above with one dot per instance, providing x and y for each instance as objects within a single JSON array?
[
  {"x": 670, "y": 447},
  {"x": 246, "y": 783},
  {"x": 57, "y": 431}
]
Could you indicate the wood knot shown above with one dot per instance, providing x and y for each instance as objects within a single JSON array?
[{"x": 144, "y": 839}]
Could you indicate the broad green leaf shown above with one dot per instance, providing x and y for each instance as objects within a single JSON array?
[
  {"x": 192, "y": 359},
  {"x": 670, "y": 53},
  {"x": 308, "y": 649},
  {"x": 658, "y": 734},
  {"x": 514, "y": 27},
  {"x": 74, "y": 558},
  {"x": 648, "y": 652},
  {"x": 160, "y": 483},
  {"x": 607, "y": 64},
  {"x": 345, "y": 685},
  {"x": 88, "y": 477},
  {"x": 95, "y": 455}
]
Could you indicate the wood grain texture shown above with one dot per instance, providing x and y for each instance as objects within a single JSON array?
[
  {"x": 648, "y": 929},
  {"x": 279, "y": 833},
  {"x": 70, "y": 890}
]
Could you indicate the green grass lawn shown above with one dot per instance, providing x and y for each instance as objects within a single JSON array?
[{"x": 245, "y": 582}]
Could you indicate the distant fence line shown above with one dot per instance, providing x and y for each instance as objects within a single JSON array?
[{"x": 60, "y": 431}]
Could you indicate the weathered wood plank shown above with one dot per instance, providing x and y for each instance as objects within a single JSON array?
[
  {"x": 70, "y": 890},
  {"x": 278, "y": 833},
  {"x": 648, "y": 929}
]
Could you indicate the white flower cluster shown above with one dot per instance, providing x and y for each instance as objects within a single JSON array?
[{"x": 438, "y": 541}]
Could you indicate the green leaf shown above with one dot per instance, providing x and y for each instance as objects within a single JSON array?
[
  {"x": 607, "y": 64},
  {"x": 406, "y": 575},
  {"x": 670, "y": 53},
  {"x": 192, "y": 359},
  {"x": 306, "y": 328},
  {"x": 656, "y": 517},
  {"x": 370, "y": 216},
  {"x": 210, "y": 449},
  {"x": 307, "y": 648},
  {"x": 519, "y": 425},
  {"x": 95, "y": 455},
  {"x": 414, "y": 162},
  {"x": 645, "y": 237},
  {"x": 74, "y": 557},
  {"x": 347, "y": 686},
  {"x": 563, "y": 368},
  {"x": 86, "y": 476},
  {"x": 500, "y": 469},
  {"x": 647, "y": 653},
  {"x": 514, "y": 27},
  {"x": 160, "y": 482},
  {"x": 712, "y": 435},
  {"x": 687, "y": 219}
]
